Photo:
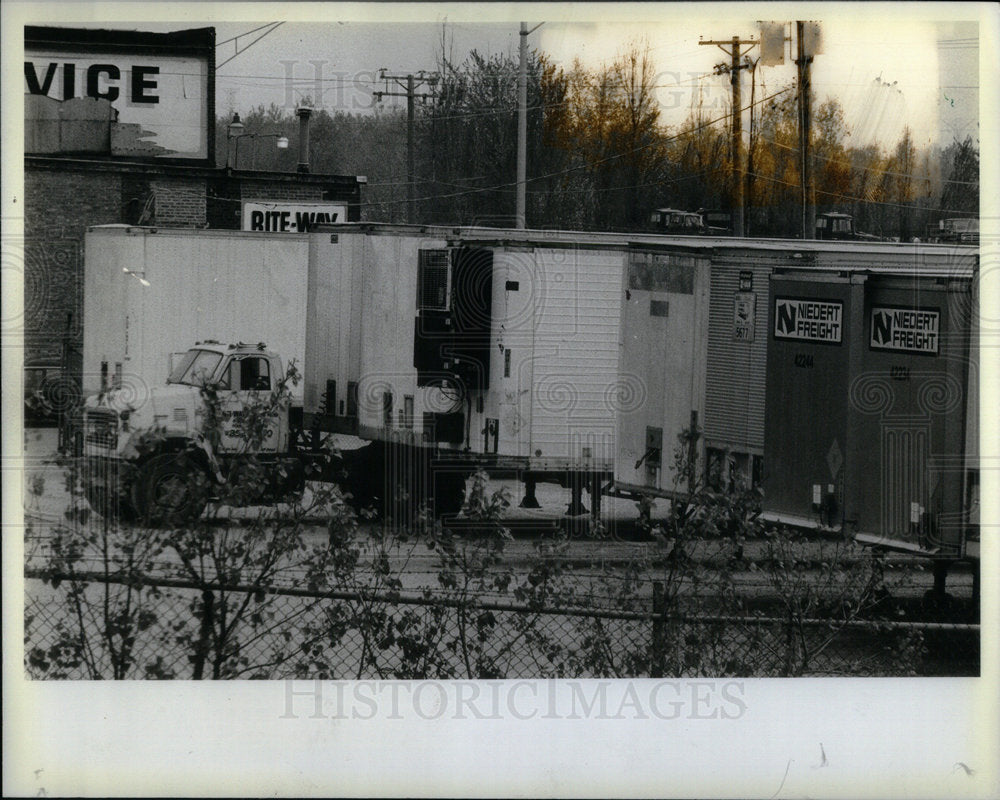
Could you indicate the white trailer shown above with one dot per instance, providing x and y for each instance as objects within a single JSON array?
[
  {"x": 570, "y": 357},
  {"x": 150, "y": 293}
]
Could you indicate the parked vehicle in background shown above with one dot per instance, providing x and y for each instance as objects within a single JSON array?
[
  {"x": 672, "y": 220},
  {"x": 961, "y": 230},
  {"x": 836, "y": 226}
]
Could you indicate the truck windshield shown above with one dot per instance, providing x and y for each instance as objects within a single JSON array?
[{"x": 196, "y": 368}]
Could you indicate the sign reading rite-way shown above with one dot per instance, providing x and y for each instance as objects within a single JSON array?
[
  {"x": 808, "y": 320},
  {"x": 913, "y": 330},
  {"x": 282, "y": 217}
]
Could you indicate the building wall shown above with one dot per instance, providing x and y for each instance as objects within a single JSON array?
[
  {"x": 263, "y": 190},
  {"x": 179, "y": 203},
  {"x": 59, "y": 206}
]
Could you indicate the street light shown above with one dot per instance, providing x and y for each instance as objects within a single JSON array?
[{"x": 236, "y": 128}]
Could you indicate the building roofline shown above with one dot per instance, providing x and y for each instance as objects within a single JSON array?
[
  {"x": 174, "y": 169},
  {"x": 134, "y": 41}
]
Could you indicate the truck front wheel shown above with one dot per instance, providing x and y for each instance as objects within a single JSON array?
[
  {"x": 110, "y": 504},
  {"x": 170, "y": 489},
  {"x": 449, "y": 492}
]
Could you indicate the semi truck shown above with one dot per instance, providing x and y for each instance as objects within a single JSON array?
[
  {"x": 581, "y": 358},
  {"x": 161, "y": 460}
]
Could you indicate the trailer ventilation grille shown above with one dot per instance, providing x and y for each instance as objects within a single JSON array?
[{"x": 432, "y": 280}]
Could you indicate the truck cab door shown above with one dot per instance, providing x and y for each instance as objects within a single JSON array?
[{"x": 247, "y": 384}]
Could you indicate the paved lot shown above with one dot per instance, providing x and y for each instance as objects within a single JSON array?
[{"x": 47, "y": 499}]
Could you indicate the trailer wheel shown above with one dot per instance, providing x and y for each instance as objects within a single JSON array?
[{"x": 170, "y": 489}]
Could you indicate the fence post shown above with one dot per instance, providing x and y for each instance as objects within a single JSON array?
[
  {"x": 790, "y": 648},
  {"x": 205, "y": 635},
  {"x": 657, "y": 659}
]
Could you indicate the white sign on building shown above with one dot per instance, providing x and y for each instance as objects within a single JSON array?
[
  {"x": 160, "y": 101},
  {"x": 911, "y": 330},
  {"x": 809, "y": 320},
  {"x": 290, "y": 217}
]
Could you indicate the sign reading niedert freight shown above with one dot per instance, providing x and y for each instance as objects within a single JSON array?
[
  {"x": 913, "y": 330},
  {"x": 808, "y": 320}
]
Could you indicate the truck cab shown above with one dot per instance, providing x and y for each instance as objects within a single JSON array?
[
  {"x": 835, "y": 226},
  {"x": 134, "y": 446},
  {"x": 955, "y": 231},
  {"x": 674, "y": 221}
]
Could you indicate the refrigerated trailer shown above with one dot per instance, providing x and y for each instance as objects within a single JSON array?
[{"x": 576, "y": 358}]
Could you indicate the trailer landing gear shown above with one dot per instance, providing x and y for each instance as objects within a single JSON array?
[
  {"x": 577, "y": 483},
  {"x": 937, "y": 597},
  {"x": 529, "y": 500},
  {"x": 576, "y": 507}
]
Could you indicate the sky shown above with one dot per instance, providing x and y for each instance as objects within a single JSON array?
[{"x": 888, "y": 65}]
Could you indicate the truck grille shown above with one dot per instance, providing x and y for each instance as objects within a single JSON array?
[{"x": 100, "y": 428}]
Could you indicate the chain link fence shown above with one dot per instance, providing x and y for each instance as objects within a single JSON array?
[
  {"x": 315, "y": 589},
  {"x": 169, "y": 628}
]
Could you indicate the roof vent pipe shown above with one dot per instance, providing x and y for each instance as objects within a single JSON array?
[{"x": 303, "y": 113}]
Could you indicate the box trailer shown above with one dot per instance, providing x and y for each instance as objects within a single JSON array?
[
  {"x": 151, "y": 293},
  {"x": 738, "y": 341},
  {"x": 568, "y": 357},
  {"x": 871, "y": 406}
]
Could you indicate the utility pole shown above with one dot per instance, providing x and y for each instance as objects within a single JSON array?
[
  {"x": 410, "y": 83},
  {"x": 805, "y": 169},
  {"x": 522, "y": 125},
  {"x": 734, "y": 68}
]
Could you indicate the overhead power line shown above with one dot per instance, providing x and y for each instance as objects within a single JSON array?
[
  {"x": 577, "y": 167},
  {"x": 842, "y": 196},
  {"x": 241, "y": 35},
  {"x": 271, "y": 27}
]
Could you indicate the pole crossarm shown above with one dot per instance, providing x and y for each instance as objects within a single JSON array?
[{"x": 419, "y": 79}]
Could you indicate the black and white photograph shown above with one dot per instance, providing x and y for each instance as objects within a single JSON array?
[{"x": 396, "y": 375}]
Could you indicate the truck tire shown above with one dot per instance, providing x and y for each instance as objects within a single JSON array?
[
  {"x": 170, "y": 489},
  {"x": 107, "y": 487},
  {"x": 449, "y": 492},
  {"x": 112, "y": 505}
]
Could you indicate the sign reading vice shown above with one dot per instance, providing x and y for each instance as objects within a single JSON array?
[
  {"x": 913, "y": 330},
  {"x": 283, "y": 217},
  {"x": 808, "y": 320}
]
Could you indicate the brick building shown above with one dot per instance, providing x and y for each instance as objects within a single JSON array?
[{"x": 86, "y": 164}]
